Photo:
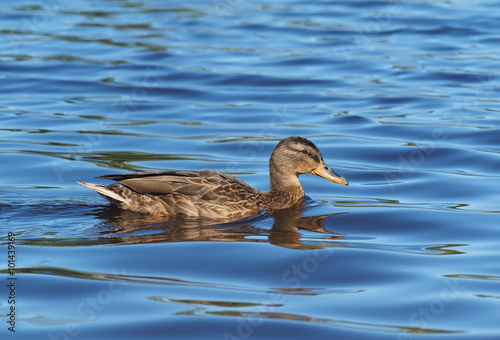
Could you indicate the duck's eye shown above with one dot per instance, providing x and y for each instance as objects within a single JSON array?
[{"x": 305, "y": 152}]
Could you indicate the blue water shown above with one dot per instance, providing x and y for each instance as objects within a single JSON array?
[{"x": 401, "y": 97}]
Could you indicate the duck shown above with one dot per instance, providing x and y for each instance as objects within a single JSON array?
[{"x": 209, "y": 194}]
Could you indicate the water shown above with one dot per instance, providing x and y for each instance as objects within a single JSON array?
[{"x": 400, "y": 96}]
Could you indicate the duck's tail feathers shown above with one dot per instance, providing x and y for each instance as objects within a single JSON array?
[{"x": 105, "y": 192}]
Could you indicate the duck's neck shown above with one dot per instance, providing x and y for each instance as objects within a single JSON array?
[{"x": 286, "y": 190}]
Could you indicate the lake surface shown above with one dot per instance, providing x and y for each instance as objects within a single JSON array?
[{"x": 401, "y": 97}]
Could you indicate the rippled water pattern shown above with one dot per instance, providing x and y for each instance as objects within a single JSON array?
[{"x": 400, "y": 96}]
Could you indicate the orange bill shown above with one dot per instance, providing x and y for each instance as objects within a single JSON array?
[{"x": 324, "y": 171}]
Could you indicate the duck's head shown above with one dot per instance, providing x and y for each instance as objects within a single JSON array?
[{"x": 294, "y": 156}]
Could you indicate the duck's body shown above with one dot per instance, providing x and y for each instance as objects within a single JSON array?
[
  {"x": 211, "y": 194},
  {"x": 205, "y": 194}
]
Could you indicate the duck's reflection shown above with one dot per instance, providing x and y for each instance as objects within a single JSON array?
[
  {"x": 288, "y": 226},
  {"x": 288, "y": 223}
]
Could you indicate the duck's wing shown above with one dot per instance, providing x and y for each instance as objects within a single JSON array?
[
  {"x": 204, "y": 187},
  {"x": 158, "y": 183}
]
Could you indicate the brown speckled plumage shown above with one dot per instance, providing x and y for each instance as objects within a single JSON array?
[{"x": 211, "y": 194}]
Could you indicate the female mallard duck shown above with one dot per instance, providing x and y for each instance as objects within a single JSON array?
[{"x": 211, "y": 194}]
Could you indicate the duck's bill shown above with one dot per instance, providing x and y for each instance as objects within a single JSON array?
[{"x": 325, "y": 172}]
